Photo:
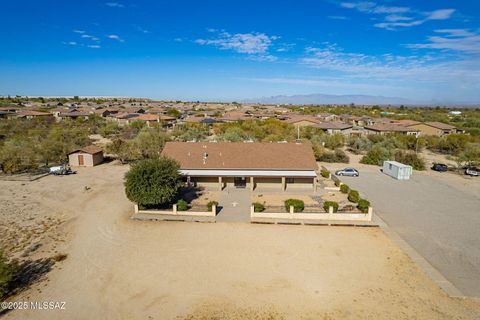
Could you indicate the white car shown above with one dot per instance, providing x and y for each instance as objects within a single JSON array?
[{"x": 351, "y": 172}]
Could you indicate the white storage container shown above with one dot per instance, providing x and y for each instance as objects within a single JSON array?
[{"x": 397, "y": 170}]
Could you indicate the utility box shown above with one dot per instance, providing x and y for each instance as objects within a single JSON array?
[{"x": 397, "y": 170}]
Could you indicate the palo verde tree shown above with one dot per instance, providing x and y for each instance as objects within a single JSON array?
[{"x": 153, "y": 182}]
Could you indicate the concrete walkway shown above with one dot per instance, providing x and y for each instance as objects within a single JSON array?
[{"x": 235, "y": 205}]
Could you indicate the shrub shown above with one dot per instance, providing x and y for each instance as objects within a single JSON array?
[
  {"x": 344, "y": 188},
  {"x": 376, "y": 156},
  {"x": 338, "y": 156},
  {"x": 353, "y": 196},
  {"x": 337, "y": 183},
  {"x": 363, "y": 205},
  {"x": 410, "y": 158},
  {"x": 258, "y": 207},
  {"x": 298, "y": 205},
  {"x": 328, "y": 204},
  {"x": 325, "y": 173},
  {"x": 182, "y": 205},
  {"x": 7, "y": 272},
  {"x": 153, "y": 182},
  {"x": 211, "y": 204}
]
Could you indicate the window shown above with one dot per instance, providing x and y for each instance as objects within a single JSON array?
[{"x": 290, "y": 180}]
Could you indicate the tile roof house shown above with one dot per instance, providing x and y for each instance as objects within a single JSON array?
[
  {"x": 335, "y": 127},
  {"x": 391, "y": 129},
  {"x": 434, "y": 128},
  {"x": 242, "y": 164},
  {"x": 30, "y": 114},
  {"x": 303, "y": 121}
]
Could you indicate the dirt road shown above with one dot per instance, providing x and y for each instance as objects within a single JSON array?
[{"x": 123, "y": 269}]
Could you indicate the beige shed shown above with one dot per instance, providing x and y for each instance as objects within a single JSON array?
[{"x": 88, "y": 156}]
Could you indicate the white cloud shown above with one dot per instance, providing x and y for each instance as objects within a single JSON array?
[
  {"x": 94, "y": 46},
  {"x": 442, "y": 14},
  {"x": 247, "y": 43},
  {"x": 429, "y": 69},
  {"x": 460, "y": 40},
  {"x": 115, "y": 37},
  {"x": 70, "y": 43},
  {"x": 114, "y": 5},
  {"x": 79, "y": 31},
  {"x": 337, "y": 17},
  {"x": 398, "y": 17}
]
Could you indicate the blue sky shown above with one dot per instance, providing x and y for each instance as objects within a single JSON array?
[{"x": 226, "y": 50}]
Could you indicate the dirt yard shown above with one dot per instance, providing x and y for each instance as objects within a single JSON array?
[{"x": 123, "y": 269}]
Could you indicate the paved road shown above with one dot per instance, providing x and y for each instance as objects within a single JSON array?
[{"x": 438, "y": 218}]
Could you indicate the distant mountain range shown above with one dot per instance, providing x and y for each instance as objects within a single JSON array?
[{"x": 343, "y": 99}]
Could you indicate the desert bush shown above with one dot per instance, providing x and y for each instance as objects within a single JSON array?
[
  {"x": 344, "y": 188},
  {"x": 376, "y": 156},
  {"x": 363, "y": 205},
  {"x": 359, "y": 144},
  {"x": 353, "y": 196},
  {"x": 153, "y": 182},
  {"x": 328, "y": 204},
  {"x": 325, "y": 173},
  {"x": 7, "y": 273},
  {"x": 337, "y": 156},
  {"x": 410, "y": 158},
  {"x": 182, "y": 205},
  {"x": 258, "y": 207},
  {"x": 211, "y": 204},
  {"x": 298, "y": 205},
  {"x": 338, "y": 183}
]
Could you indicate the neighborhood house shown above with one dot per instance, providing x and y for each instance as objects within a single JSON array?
[
  {"x": 222, "y": 165},
  {"x": 86, "y": 157}
]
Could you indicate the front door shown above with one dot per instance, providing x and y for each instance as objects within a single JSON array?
[
  {"x": 80, "y": 160},
  {"x": 240, "y": 182}
]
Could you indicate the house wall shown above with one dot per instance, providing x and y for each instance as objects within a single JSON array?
[
  {"x": 300, "y": 183},
  {"x": 268, "y": 182},
  {"x": 89, "y": 160},
  {"x": 427, "y": 130}
]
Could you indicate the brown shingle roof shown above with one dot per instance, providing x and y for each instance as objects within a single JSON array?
[
  {"x": 239, "y": 155},
  {"x": 91, "y": 149},
  {"x": 333, "y": 125},
  {"x": 390, "y": 128},
  {"x": 440, "y": 125}
]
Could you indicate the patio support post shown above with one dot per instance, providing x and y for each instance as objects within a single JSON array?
[
  {"x": 252, "y": 184},
  {"x": 220, "y": 183},
  {"x": 314, "y": 184},
  {"x": 283, "y": 184}
]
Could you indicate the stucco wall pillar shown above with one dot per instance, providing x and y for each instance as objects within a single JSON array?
[{"x": 284, "y": 185}]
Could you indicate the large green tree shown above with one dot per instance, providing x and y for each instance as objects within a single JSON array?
[{"x": 153, "y": 182}]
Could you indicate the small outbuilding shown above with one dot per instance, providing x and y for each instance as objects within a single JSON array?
[
  {"x": 88, "y": 156},
  {"x": 397, "y": 170}
]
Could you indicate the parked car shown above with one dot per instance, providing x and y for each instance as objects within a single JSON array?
[
  {"x": 472, "y": 171},
  {"x": 440, "y": 167},
  {"x": 61, "y": 170},
  {"x": 347, "y": 172}
]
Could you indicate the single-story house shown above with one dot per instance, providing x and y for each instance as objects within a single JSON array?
[
  {"x": 391, "y": 129},
  {"x": 303, "y": 121},
  {"x": 434, "y": 128},
  {"x": 277, "y": 166},
  {"x": 88, "y": 156},
  {"x": 335, "y": 127},
  {"x": 30, "y": 114}
]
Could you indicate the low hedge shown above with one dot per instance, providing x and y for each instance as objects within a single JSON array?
[
  {"x": 297, "y": 204},
  {"x": 353, "y": 196},
  {"x": 210, "y": 205},
  {"x": 344, "y": 188},
  {"x": 182, "y": 205},
  {"x": 325, "y": 173},
  {"x": 258, "y": 207},
  {"x": 328, "y": 204},
  {"x": 363, "y": 205}
]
